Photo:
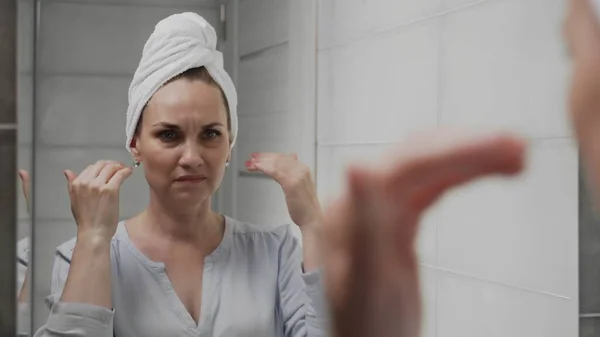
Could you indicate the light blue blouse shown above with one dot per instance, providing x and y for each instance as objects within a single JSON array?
[{"x": 253, "y": 285}]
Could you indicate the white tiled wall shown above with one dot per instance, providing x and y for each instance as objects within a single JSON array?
[
  {"x": 510, "y": 71},
  {"x": 262, "y": 24},
  {"x": 499, "y": 257},
  {"x": 266, "y": 124},
  {"x": 367, "y": 86},
  {"x": 272, "y": 77},
  {"x": 88, "y": 53}
]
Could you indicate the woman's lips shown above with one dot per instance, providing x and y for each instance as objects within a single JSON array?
[{"x": 191, "y": 178}]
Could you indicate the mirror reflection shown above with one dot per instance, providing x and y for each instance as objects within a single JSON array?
[
  {"x": 165, "y": 183},
  {"x": 25, "y": 102},
  {"x": 174, "y": 140}
]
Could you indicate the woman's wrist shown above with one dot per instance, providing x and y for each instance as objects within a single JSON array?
[
  {"x": 93, "y": 240},
  {"x": 312, "y": 220}
]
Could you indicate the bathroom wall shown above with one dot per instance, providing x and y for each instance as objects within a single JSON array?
[
  {"x": 499, "y": 258},
  {"x": 275, "y": 80},
  {"x": 88, "y": 52},
  {"x": 264, "y": 117}
]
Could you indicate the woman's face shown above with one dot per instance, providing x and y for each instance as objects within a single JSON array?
[{"x": 183, "y": 142}]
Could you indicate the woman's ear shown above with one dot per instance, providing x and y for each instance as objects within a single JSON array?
[{"x": 134, "y": 150}]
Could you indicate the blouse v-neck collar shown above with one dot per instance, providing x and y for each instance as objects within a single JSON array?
[
  {"x": 219, "y": 252},
  {"x": 210, "y": 282}
]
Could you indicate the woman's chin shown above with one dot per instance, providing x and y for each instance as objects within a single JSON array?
[{"x": 191, "y": 196}]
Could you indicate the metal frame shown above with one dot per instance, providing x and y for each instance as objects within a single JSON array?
[{"x": 8, "y": 218}]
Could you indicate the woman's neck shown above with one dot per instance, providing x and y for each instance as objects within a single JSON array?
[{"x": 174, "y": 223}]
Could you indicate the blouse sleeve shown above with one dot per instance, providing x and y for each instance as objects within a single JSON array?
[
  {"x": 73, "y": 319},
  {"x": 301, "y": 295}
]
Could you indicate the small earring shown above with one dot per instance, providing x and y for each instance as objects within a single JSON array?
[
  {"x": 136, "y": 163},
  {"x": 227, "y": 164}
]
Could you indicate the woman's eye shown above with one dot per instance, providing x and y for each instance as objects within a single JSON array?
[
  {"x": 211, "y": 134},
  {"x": 168, "y": 135}
]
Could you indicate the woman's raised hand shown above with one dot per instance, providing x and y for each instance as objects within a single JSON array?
[
  {"x": 94, "y": 197},
  {"x": 297, "y": 183},
  {"x": 371, "y": 268}
]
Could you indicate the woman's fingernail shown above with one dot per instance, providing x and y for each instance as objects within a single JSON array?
[{"x": 249, "y": 164}]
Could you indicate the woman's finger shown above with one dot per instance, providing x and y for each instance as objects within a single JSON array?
[
  {"x": 119, "y": 177},
  {"x": 91, "y": 172},
  {"x": 70, "y": 175},
  {"x": 265, "y": 163},
  {"x": 265, "y": 166},
  {"x": 402, "y": 200},
  {"x": 346, "y": 251},
  {"x": 108, "y": 172},
  {"x": 582, "y": 28},
  {"x": 366, "y": 246},
  {"x": 25, "y": 184},
  {"x": 453, "y": 163},
  {"x": 502, "y": 157}
]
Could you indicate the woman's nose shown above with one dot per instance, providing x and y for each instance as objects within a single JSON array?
[{"x": 192, "y": 156}]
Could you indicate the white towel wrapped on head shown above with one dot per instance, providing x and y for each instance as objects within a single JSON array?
[{"x": 179, "y": 42}]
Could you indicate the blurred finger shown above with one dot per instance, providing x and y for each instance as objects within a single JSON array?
[
  {"x": 500, "y": 156},
  {"x": 25, "y": 184},
  {"x": 362, "y": 201},
  {"x": 24, "y": 175},
  {"x": 407, "y": 199},
  {"x": 346, "y": 251},
  {"x": 459, "y": 159},
  {"x": 582, "y": 27},
  {"x": 370, "y": 249}
]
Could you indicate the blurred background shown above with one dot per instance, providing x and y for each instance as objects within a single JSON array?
[{"x": 336, "y": 81}]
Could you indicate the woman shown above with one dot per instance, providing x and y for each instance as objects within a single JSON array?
[{"x": 178, "y": 268}]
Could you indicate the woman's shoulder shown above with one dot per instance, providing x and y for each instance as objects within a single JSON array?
[
  {"x": 252, "y": 231},
  {"x": 262, "y": 241}
]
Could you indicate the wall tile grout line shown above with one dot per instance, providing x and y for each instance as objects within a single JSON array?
[
  {"x": 492, "y": 281},
  {"x": 251, "y": 55},
  {"x": 439, "y": 92},
  {"x": 100, "y": 147},
  {"x": 201, "y": 5},
  {"x": 385, "y": 142},
  {"x": 45, "y": 74}
]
